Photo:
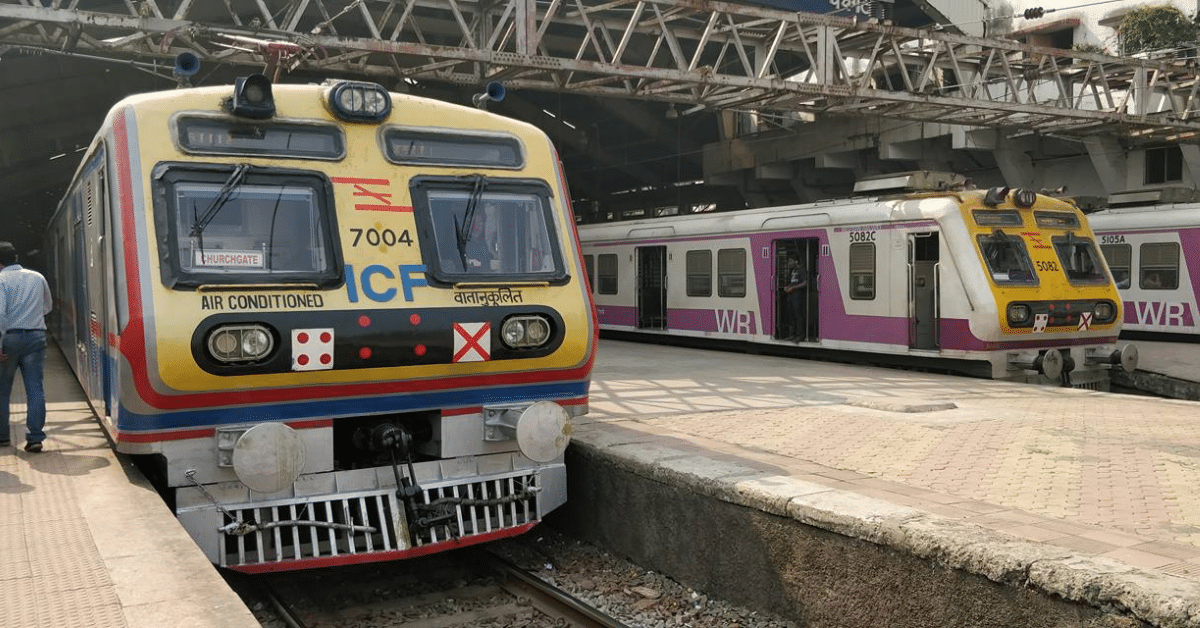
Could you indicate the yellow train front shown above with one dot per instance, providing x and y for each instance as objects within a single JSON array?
[
  {"x": 347, "y": 325},
  {"x": 1057, "y": 311}
]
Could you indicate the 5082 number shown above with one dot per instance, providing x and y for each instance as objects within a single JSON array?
[
  {"x": 386, "y": 237},
  {"x": 1047, "y": 266}
]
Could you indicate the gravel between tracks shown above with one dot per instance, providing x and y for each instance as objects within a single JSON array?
[{"x": 631, "y": 594}]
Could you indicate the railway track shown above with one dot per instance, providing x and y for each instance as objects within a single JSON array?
[{"x": 472, "y": 588}]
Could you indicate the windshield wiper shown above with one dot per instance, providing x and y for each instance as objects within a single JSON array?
[
  {"x": 223, "y": 196},
  {"x": 463, "y": 231}
]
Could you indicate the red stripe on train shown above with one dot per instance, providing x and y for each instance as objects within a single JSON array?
[{"x": 351, "y": 559}]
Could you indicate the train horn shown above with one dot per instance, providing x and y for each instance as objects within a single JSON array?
[
  {"x": 187, "y": 65},
  {"x": 495, "y": 93}
]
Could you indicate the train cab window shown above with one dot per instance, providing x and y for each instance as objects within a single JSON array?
[
  {"x": 241, "y": 224},
  {"x": 699, "y": 273},
  {"x": 606, "y": 273},
  {"x": 473, "y": 229},
  {"x": 1079, "y": 259},
  {"x": 589, "y": 264},
  {"x": 1159, "y": 266},
  {"x": 1120, "y": 262},
  {"x": 1007, "y": 259},
  {"x": 731, "y": 272},
  {"x": 862, "y": 270}
]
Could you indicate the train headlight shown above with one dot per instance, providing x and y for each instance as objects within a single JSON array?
[
  {"x": 1104, "y": 311},
  {"x": 256, "y": 342},
  {"x": 537, "y": 331},
  {"x": 522, "y": 332},
  {"x": 1018, "y": 313},
  {"x": 360, "y": 102},
  {"x": 240, "y": 343},
  {"x": 514, "y": 332}
]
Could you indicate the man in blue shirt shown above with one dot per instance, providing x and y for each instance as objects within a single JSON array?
[{"x": 24, "y": 302}]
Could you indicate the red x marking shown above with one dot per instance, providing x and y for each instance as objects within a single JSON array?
[{"x": 471, "y": 343}]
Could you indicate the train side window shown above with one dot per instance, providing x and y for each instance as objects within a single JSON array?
[
  {"x": 699, "y": 273},
  {"x": 1120, "y": 262},
  {"x": 1079, "y": 259},
  {"x": 862, "y": 270},
  {"x": 589, "y": 264},
  {"x": 606, "y": 273},
  {"x": 731, "y": 272},
  {"x": 1159, "y": 266},
  {"x": 1007, "y": 259}
]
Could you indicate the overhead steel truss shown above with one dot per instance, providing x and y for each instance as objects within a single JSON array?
[{"x": 699, "y": 54}]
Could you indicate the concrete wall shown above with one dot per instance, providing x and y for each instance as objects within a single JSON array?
[{"x": 777, "y": 564}]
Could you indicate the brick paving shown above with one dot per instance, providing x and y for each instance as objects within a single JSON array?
[{"x": 1112, "y": 475}]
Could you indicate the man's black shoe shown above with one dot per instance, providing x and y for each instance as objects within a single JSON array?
[{"x": 33, "y": 447}]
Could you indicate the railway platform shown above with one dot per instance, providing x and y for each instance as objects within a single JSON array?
[
  {"x": 84, "y": 539},
  {"x": 856, "y": 496},
  {"x": 1170, "y": 369}
]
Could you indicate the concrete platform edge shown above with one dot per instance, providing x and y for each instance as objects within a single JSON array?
[
  {"x": 1155, "y": 598},
  {"x": 188, "y": 592}
]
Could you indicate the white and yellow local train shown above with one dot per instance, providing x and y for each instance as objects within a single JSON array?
[
  {"x": 346, "y": 325},
  {"x": 999, "y": 283}
]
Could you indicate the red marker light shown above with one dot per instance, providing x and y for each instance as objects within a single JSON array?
[
  {"x": 415, "y": 319},
  {"x": 326, "y": 336},
  {"x": 419, "y": 350},
  {"x": 364, "y": 321},
  {"x": 326, "y": 358},
  {"x": 302, "y": 337},
  {"x": 302, "y": 360},
  {"x": 365, "y": 353}
]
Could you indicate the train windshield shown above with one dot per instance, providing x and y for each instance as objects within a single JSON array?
[
  {"x": 1079, "y": 259},
  {"x": 476, "y": 229},
  {"x": 246, "y": 226},
  {"x": 1007, "y": 259}
]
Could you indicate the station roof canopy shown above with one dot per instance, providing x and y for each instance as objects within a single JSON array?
[{"x": 602, "y": 77}]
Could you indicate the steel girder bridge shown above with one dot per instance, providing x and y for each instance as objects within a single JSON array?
[{"x": 697, "y": 54}]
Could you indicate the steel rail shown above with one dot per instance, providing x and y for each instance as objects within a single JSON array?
[{"x": 548, "y": 598}]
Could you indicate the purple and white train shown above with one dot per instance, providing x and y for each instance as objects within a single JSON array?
[
  {"x": 999, "y": 283},
  {"x": 1154, "y": 254}
]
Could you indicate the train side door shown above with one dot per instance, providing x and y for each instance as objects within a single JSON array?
[
  {"x": 796, "y": 311},
  {"x": 651, "y": 287},
  {"x": 924, "y": 312},
  {"x": 95, "y": 294}
]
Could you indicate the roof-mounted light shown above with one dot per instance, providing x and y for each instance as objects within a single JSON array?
[
  {"x": 252, "y": 97},
  {"x": 1024, "y": 198},
  {"x": 360, "y": 102}
]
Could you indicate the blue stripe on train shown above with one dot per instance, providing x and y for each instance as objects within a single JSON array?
[{"x": 302, "y": 410}]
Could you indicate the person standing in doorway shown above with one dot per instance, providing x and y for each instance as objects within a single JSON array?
[
  {"x": 795, "y": 291},
  {"x": 24, "y": 302}
]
